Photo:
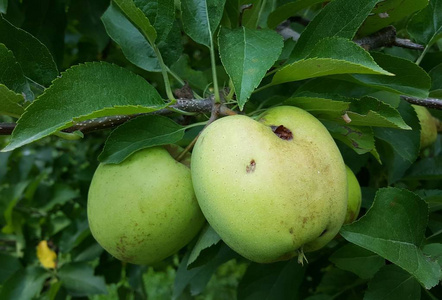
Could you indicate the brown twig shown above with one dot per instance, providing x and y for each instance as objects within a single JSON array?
[
  {"x": 427, "y": 102},
  {"x": 186, "y": 105}
]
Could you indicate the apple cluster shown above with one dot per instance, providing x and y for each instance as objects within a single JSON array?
[{"x": 273, "y": 188}]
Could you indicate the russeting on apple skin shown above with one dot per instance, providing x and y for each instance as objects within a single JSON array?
[
  {"x": 354, "y": 197},
  {"x": 143, "y": 209},
  {"x": 273, "y": 188}
]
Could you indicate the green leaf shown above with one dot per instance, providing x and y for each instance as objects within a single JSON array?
[
  {"x": 436, "y": 81},
  {"x": 138, "y": 19},
  {"x": 142, "y": 132},
  {"x": 196, "y": 79},
  {"x": 279, "y": 280},
  {"x": 389, "y": 12},
  {"x": 339, "y": 18},
  {"x": 320, "y": 105},
  {"x": 426, "y": 169},
  {"x": 132, "y": 42},
  {"x": 197, "y": 278},
  {"x": 367, "y": 111},
  {"x": 170, "y": 50},
  {"x": 288, "y": 10},
  {"x": 201, "y": 18},
  {"x": 161, "y": 13},
  {"x": 24, "y": 284},
  {"x": 330, "y": 56},
  {"x": 3, "y": 6},
  {"x": 9, "y": 102},
  {"x": 360, "y": 261},
  {"x": 80, "y": 281},
  {"x": 8, "y": 266},
  {"x": 393, "y": 283},
  {"x": 398, "y": 148},
  {"x": 435, "y": 251},
  {"x": 409, "y": 79},
  {"x": 394, "y": 228},
  {"x": 34, "y": 58},
  {"x": 83, "y": 92},
  {"x": 12, "y": 75},
  {"x": 426, "y": 26},
  {"x": 360, "y": 139},
  {"x": 247, "y": 54},
  {"x": 251, "y": 14},
  {"x": 207, "y": 238}
]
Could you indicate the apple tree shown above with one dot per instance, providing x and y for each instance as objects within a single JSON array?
[{"x": 84, "y": 83}]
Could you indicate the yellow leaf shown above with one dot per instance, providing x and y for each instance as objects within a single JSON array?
[{"x": 46, "y": 256}]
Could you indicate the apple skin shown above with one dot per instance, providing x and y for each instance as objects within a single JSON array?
[
  {"x": 354, "y": 197},
  {"x": 143, "y": 209},
  {"x": 428, "y": 126},
  {"x": 268, "y": 198}
]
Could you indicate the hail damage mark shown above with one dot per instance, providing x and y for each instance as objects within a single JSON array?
[
  {"x": 251, "y": 166},
  {"x": 282, "y": 132}
]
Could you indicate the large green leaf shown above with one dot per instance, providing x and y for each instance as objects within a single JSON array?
[
  {"x": 367, "y": 111},
  {"x": 330, "y": 56},
  {"x": 197, "y": 278},
  {"x": 83, "y": 92},
  {"x": 34, "y": 58},
  {"x": 279, "y": 280},
  {"x": 3, "y": 6},
  {"x": 24, "y": 284},
  {"x": 409, "y": 79},
  {"x": 360, "y": 261},
  {"x": 436, "y": 81},
  {"x": 138, "y": 19},
  {"x": 207, "y": 238},
  {"x": 12, "y": 75},
  {"x": 8, "y": 266},
  {"x": 388, "y": 12},
  {"x": 201, "y": 18},
  {"x": 288, "y": 10},
  {"x": 80, "y": 281},
  {"x": 196, "y": 78},
  {"x": 247, "y": 54},
  {"x": 142, "y": 132},
  {"x": 161, "y": 13},
  {"x": 426, "y": 26},
  {"x": 394, "y": 228},
  {"x": 399, "y": 148},
  {"x": 132, "y": 42},
  {"x": 393, "y": 283},
  {"x": 340, "y": 18},
  {"x": 360, "y": 139},
  {"x": 429, "y": 168},
  {"x": 9, "y": 102}
]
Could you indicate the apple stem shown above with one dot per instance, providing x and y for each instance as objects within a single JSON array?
[{"x": 301, "y": 256}]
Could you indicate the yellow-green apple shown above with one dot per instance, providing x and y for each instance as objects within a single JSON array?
[
  {"x": 272, "y": 188},
  {"x": 143, "y": 209},
  {"x": 354, "y": 197}
]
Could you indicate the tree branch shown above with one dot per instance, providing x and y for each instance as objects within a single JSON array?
[
  {"x": 186, "y": 105},
  {"x": 427, "y": 102}
]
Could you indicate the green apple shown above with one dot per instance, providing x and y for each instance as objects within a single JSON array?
[
  {"x": 354, "y": 197},
  {"x": 428, "y": 126},
  {"x": 273, "y": 188},
  {"x": 143, "y": 209}
]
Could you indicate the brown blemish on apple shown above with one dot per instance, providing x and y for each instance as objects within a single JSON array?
[
  {"x": 282, "y": 132},
  {"x": 251, "y": 166},
  {"x": 291, "y": 230}
]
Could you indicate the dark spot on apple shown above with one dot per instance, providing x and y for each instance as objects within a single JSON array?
[
  {"x": 324, "y": 232},
  {"x": 291, "y": 230},
  {"x": 304, "y": 220},
  {"x": 251, "y": 166},
  {"x": 282, "y": 132}
]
